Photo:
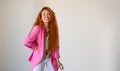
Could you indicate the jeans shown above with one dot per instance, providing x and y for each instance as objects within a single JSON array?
[{"x": 47, "y": 62}]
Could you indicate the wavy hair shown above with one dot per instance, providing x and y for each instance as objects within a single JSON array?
[{"x": 53, "y": 28}]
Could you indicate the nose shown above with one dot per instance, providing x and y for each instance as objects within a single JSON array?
[{"x": 46, "y": 16}]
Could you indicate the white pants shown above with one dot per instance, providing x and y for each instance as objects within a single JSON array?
[{"x": 47, "y": 62}]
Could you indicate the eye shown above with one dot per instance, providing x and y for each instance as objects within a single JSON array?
[
  {"x": 43, "y": 14},
  {"x": 48, "y": 14}
]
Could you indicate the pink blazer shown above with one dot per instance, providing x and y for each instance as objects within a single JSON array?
[{"x": 37, "y": 38}]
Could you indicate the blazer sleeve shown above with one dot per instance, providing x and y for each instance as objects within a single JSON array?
[
  {"x": 56, "y": 53},
  {"x": 30, "y": 40}
]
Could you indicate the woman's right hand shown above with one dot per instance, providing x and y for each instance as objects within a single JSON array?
[{"x": 36, "y": 48}]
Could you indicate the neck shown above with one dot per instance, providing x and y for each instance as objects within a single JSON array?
[{"x": 46, "y": 27}]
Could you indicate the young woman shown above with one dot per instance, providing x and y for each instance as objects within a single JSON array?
[{"x": 43, "y": 40}]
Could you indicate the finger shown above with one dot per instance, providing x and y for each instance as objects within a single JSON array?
[{"x": 61, "y": 67}]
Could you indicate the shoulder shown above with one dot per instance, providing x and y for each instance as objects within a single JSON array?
[{"x": 36, "y": 27}]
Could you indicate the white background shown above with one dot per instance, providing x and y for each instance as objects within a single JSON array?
[{"x": 89, "y": 33}]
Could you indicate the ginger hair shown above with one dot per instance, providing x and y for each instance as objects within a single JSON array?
[{"x": 53, "y": 28}]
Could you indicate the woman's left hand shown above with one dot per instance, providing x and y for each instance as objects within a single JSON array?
[{"x": 60, "y": 65}]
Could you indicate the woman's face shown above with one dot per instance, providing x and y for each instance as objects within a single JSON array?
[{"x": 45, "y": 16}]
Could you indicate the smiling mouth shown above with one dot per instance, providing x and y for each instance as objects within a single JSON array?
[{"x": 46, "y": 18}]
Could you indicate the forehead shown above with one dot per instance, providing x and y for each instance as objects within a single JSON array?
[{"x": 45, "y": 11}]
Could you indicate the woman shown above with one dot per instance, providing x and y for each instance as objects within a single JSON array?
[{"x": 43, "y": 40}]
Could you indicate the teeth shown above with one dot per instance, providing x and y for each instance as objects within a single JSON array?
[{"x": 46, "y": 18}]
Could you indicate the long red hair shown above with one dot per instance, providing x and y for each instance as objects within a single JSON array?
[{"x": 53, "y": 28}]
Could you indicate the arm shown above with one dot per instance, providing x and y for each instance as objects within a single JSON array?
[
  {"x": 57, "y": 56},
  {"x": 29, "y": 41}
]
